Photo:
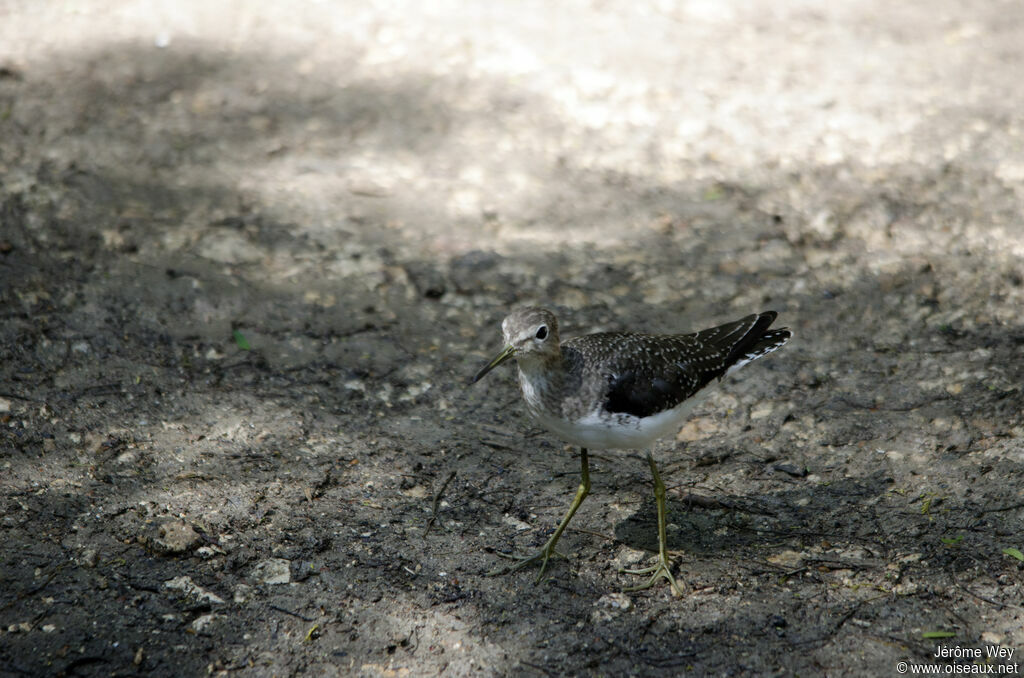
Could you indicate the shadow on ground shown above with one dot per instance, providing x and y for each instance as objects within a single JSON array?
[{"x": 830, "y": 506}]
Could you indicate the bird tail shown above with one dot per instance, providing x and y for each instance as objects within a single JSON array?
[{"x": 758, "y": 341}]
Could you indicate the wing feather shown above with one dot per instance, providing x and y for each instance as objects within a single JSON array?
[{"x": 647, "y": 374}]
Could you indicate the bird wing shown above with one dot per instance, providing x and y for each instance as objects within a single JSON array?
[{"x": 646, "y": 374}]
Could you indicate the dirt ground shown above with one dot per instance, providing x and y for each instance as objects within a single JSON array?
[{"x": 250, "y": 254}]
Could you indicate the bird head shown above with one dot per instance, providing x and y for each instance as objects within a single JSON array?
[{"x": 530, "y": 334}]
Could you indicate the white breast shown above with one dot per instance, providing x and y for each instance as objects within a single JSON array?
[{"x": 600, "y": 430}]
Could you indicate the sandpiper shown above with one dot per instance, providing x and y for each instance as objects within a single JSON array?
[{"x": 621, "y": 390}]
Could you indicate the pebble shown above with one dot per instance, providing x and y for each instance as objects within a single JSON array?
[
  {"x": 170, "y": 536},
  {"x": 272, "y": 571},
  {"x": 185, "y": 584},
  {"x": 243, "y": 592},
  {"x": 90, "y": 557},
  {"x": 787, "y": 558},
  {"x": 610, "y": 606},
  {"x": 199, "y": 624}
]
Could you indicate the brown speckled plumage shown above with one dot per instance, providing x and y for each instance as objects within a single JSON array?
[
  {"x": 617, "y": 380},
  {"x": 621, "y": 390}
]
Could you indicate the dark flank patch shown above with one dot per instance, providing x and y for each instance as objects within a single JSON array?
[{"x": 642, "y": 395}]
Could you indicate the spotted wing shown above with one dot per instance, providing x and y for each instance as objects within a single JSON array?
[{"x": 647, "y": 374}]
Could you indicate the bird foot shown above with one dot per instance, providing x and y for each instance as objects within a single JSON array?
[
  {"x": 658, "y": 571},
  {"x": 543, "y": 555}
]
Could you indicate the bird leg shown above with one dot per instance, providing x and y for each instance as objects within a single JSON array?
[
  {"x": 662, "y": 569},
  {"x": 548, "y": 550}
]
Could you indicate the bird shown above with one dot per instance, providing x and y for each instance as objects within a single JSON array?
[{"x": 621, "y": 390}]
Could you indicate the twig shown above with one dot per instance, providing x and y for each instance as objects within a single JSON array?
[
  {"x": 109, "y": 388},
  {"x": 1003, "y": 508},
  {"x": 497, "y": 446},
  {"x": 294, "y": 614},
  {"x": 535, "y": 666},
  {"x": 596, "y": 534},
  {"x": 5, "y": 394},
  {"x": 36, "y": 589},
  {"x": 840, "y": 564},
  {"x": 434, "y": 504},
  {"x": 791, "y": 534},
  {"x": 704, "y": 502},
  {"x": 981, "y": 597},
  {"x": 82, "y": 661},
  {"x": 838, "y": 625}
]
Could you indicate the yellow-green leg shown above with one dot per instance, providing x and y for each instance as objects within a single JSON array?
[
  {"x": 548, "y": 550},
  {"x": 662, "y": 569}
]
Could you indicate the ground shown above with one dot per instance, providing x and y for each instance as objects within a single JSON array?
[{"x": 251, "y": 253}]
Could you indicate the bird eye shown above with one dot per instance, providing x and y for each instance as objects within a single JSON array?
[{"x": 542, "y": 332}]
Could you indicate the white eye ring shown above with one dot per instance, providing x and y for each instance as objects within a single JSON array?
[{"x": 542, "y": 332}]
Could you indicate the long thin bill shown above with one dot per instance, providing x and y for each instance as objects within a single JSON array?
[{"x": 499, "y": 359}]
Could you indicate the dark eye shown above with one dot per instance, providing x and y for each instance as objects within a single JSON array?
[{"x": 542, "y": 332}]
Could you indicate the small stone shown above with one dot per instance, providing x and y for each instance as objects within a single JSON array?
[
  {"x": 193, "y": 590},
  {"x": 199, "y": 624},
  {"x": 787, "y": 558},
  {"x": 824, "y": 225},
  {"x": 90, "y": 557},
  {"x": 628, "y": 558},
  {"x": 791, "y": 469},
  {"x": 610, "y": 606},
  {"x": 697, "y": 429},
  {"x": 209, "y": 551},
  {"x": 229, "y": 247},
  {"x": 272, "y": 571},
  {"x": 243, "y": 592},
  {"x": 515, "y": 522},
  {"x": 127, "y": 457},
  {"x": 616, "y": 601},
  {"x": 170, "y": 537},
  {"x": 906, "y": 589},
  {"x": 416, "y": 492},
  {"x": 48, "y": 628}
]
